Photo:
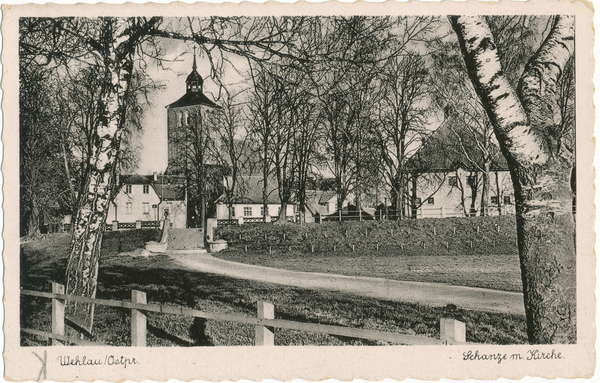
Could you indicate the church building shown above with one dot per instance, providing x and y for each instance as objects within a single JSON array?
[
  {"x": 193, "y": 111},
  {"x": 142, "y": 200}
]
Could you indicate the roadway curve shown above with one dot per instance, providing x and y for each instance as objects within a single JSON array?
[{"x": 432, "y": 294}]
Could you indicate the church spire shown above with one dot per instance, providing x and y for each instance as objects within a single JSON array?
[
  {"x": 194, "y": 65},
  {"x": 194, "y": 80}
]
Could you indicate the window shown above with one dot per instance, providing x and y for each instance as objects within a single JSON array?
[
  {"x": 128, "y": 206},
  {"x": 262, "y": 211},
  {"x": 430, "y": 201},
  {"x": 495, "y": 200},
  {"x": 247, "y": 211},
  {"x": 417, "y": 201},
  {"x": 146, "y": 189},
  {"x": 507, "y": 199},
  {"x": 453, "y": 181},
  {"x": 146, "y": 207},
  {"x": 128, "y": 189},
  {"x": 279, "y": 211},
  {"x": 232, "y": 211}
]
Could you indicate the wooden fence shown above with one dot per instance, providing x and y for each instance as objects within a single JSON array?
[{"x": 452, "y": 332}]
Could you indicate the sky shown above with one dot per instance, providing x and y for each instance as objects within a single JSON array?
[{"x": 152, "y": 140}]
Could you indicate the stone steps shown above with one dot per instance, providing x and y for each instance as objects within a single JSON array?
[{"x": 185, "y": 239}]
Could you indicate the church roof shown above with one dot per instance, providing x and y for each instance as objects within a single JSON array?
[
  {"x": 194, "y": 76},
  {"x": 443, "y": 152},
  {"x": 193, "y": 95},
  {"x": 192, "y": 99},
  {"x": 250, "y": 189}
]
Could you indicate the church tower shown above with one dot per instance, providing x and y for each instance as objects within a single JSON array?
[{"x": 179, "y": 113}]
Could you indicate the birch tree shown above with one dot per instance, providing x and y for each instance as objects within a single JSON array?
[
  {"x": 112, "y": 43},
  {"x": 527, "y": 123},
  {"x": 115, "y": 48}
]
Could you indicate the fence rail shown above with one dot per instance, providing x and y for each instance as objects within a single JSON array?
[
  {"x": 251, "y": 220},
  {"x": 451, "y": 330},
  {"x": 254, "y": 220},
  {"x": 227, "y": 222}
]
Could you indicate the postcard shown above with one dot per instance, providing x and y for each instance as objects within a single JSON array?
[{"x": 299, "y": 191}]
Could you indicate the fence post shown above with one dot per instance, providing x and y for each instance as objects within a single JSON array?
[
  {"x": 211, "y": 225},
  {"x": 263, "y": 334},
  {"x": 452, "y": 331},
  {"x": 58, "y": 313},
  {"x": 138, "y": 320},
  {"x": 115, "y": 225}
]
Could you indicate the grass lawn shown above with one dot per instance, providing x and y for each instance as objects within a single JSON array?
[
  {"x": 475, "y": 252},
  {"x": 44, "y": 261}
]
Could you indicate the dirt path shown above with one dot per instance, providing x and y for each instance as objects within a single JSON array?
[{"x": 433, "y": 294}]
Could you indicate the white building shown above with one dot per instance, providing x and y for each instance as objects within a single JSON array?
[
  {"x": 146, "y": 198},
  {"x": 448, "y": 179},
  {"x": 248, "y": 201}
]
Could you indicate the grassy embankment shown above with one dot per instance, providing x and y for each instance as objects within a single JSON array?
[
  {"x": 44, "y": 261},
  {"x": 476, "y": 252}
]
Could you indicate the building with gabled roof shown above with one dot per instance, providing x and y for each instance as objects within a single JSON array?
[
  {"x": 320, "y": 203},
  {"x": 247, "y": 202},
  {"x": 146, "y": 198},
  {"x": 447, "y": 180}
]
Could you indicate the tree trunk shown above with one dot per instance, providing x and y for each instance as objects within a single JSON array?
[
  {"x": 547, "y": 254},
  {"x": 82, "y": 265},
  {"x": 88, "y": 225},
  {"x": 397, "y": 192},
  {"x": 265, "y": 194},
  {"x": 473, "y": 186},
  {"x": 413, "y": 204},
  {"x": 67, "y": 170},
  {"x": 485, "y": 189},
  {"x": 498, "y": 194},
  {"x": 283, "y": 212},
  {"x": 526, "y": 128},
  {"x": 33, "y": 221}
]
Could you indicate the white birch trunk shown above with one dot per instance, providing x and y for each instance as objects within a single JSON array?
[
  {"x": 86, "y": 241},
  {"x": 526, "y": 126}
]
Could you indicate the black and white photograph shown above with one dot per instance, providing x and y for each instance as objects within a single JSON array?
[{"x": 330, "y": 180}]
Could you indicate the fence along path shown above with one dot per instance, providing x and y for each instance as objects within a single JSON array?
[{"x": 451, "y": 331}]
